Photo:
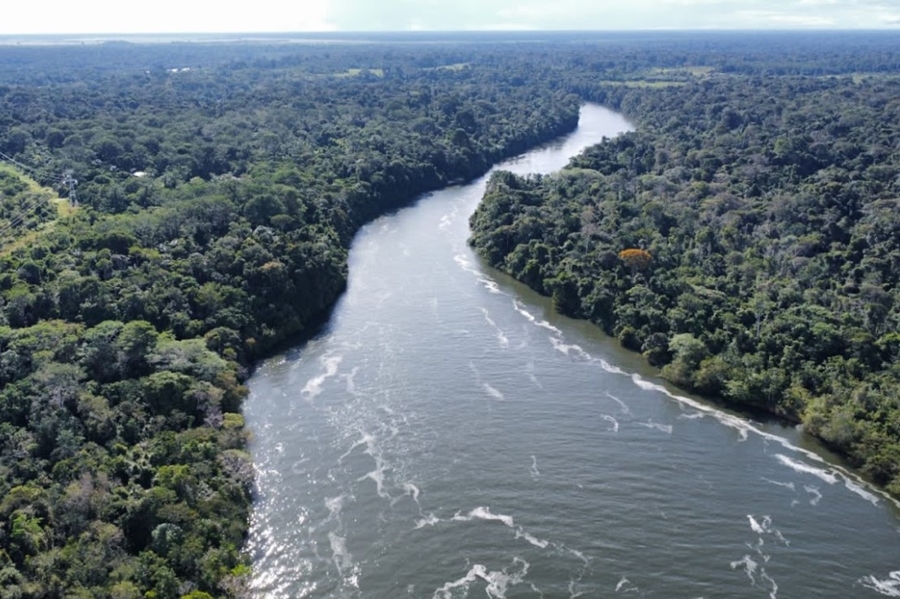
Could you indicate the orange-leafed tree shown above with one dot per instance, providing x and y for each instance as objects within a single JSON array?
[{"x": 635, "y": 258}]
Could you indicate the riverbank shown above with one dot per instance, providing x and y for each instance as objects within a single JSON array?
[
  {"x": 739, "y": 293},
  {"x": 127, "y": 330},
  {"x": 449, "y": 431}
]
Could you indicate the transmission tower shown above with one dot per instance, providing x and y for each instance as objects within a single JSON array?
[{"x": 71, "y": 182}]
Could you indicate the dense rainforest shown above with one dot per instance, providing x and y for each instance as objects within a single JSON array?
[
  {"x": 172, "y": 212},
  {"x": 745, "y": 239},
  {"x": 216, "y": 203}
]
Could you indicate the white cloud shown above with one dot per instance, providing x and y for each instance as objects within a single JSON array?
[
  {"x": 175, "y": 16},
  {"x": 170, "y": 16},
  {"x": 785, "y": 19}
]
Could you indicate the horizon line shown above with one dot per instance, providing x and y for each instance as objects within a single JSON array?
[{"x": 414, "y": 32}]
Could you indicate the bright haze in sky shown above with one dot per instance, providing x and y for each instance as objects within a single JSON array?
[{"x": 244, "y": 16}]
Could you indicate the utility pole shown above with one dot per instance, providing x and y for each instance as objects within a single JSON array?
[{"x": 71, "y": 183}]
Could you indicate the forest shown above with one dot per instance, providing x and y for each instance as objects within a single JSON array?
[
  {"x": 745, "y": 239},
  {"x": 171, "y": 213}
]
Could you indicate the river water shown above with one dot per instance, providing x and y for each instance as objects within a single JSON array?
[{"x": 449, "y": 435}]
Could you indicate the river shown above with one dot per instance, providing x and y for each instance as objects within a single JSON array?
[{"x": 449, "y": 435}]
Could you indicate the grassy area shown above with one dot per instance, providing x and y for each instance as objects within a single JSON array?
[
  {"x": 448, "y": 67},
  {"x": 358, "y": 72},
  {"x": 860, "y": 77},
  {"x": 664, "y": 77},
  {"x": 695, "y": 71},
  {"x": 14, "y": 239},
  {"x": 642, "y": 83}
]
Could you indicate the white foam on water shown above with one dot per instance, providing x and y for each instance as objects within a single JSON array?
[
  {"x": 493, "y": 392},
  {"x": 574, "y": 552},
  {"x": 484, "y": 513},
  {"x": 314, "y": 385},
  {"x": 666, "y": 428},
  {"x": 445, "y": 592},
  {"x": 613, "y": 421},
  {"x": 490, "y": 284},
  {"x": 411, "y": 490},
  {"x": 569, "y": 349},
  {"x": 889, "y": 587},
  {"x": 758, "y": 547},
  {"x": 765, "y": 528},
  {"x": 816, "y": 494},
  {"x": 535, "y": 473},
  {"x": 773, "y": 590},
  {"x": 573, "y": 593},
  {"x": 341, "y": 557},
  {"x": 498, "y": 582},
  {"x": 755, "y": 526},
  {"x": 529, "y": 368},
  {"x": 501, "y": 337},
  {"x": 348, "y": 378},
  {"x": 855, "y": 488},
  {"x": 539, "y": 543},
  {"x": 334, "y": 506},
  {"x": 376, "y": 475},
  {"x": 367, "y": 440},
  {"x": 749, "y": 565},
  {"x": 464, "y": 264},
  {"x": 780, "y": 537},
  {"x": 520, "y": 308},
  {"x": 744, "y": 427},
  {"x": 789, "y": 485},
  {"x": 447, "y": 219},
  {"x": 626, "y": 586},
  {"x": 485, "y": 280},
  {"x": 609, "y": 367},
  {"x": 827, "y": 476},
  {"x": 429, "y": 520},
  {"x": 692, "y": 416},
  {"x": 622, "y": 404}
]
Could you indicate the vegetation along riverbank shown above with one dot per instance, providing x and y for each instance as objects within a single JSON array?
[
  {"x": 744, "y": 239},
  {"x": 216, "y": 187}
]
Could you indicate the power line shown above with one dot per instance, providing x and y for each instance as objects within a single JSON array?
[
  {"x": 38, "y": 201},
  {"x": 21, "y": 216},
  {"x": 45, "y": 175}
]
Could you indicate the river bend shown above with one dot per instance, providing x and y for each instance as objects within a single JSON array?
[{"x": 448, "y": 435}]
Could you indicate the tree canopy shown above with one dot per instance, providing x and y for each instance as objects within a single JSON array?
[
  {"x": 769, "y": 207},
  {"x": 744, "y": 238}
]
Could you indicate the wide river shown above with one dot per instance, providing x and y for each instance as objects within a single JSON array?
[{"x": 449, "y": 435}]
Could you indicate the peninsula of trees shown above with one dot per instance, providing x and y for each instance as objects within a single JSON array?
[{"x": 745, "y": 239}]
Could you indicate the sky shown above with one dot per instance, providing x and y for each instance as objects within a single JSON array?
[{"x": 199, "y": 16}]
